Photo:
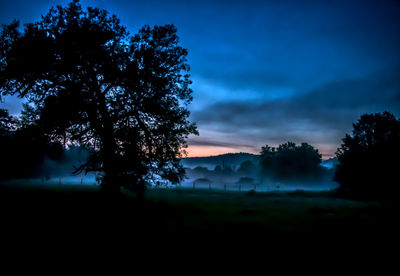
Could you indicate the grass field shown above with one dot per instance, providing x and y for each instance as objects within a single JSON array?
[{"x": 86, "y": 212}]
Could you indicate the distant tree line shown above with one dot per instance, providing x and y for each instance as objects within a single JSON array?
[
  {"x": 247, "y": 168},
  {"x": 286, "y": 163}
]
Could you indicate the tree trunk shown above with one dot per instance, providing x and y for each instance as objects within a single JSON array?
[{"x": 110, "y": 179}]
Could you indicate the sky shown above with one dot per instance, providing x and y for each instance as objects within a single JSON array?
[{"x": 268, "y": 72}]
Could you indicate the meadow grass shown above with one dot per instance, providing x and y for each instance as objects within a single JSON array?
[{"x": 87, "y": 211}]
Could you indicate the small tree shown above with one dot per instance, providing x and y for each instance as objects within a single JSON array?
[
  {"x": 368, "y": 159},
  {"x": 247, "y": 168},
  {"x": 267, "y": 160},
  {"x": 290, "y": 161},
  {"x": 94, "y": 84}
]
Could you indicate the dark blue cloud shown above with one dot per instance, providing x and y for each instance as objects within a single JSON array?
[{"x": 321, "y": 116}]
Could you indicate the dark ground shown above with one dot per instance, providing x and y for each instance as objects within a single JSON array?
[{"x": 65, "y": 215}]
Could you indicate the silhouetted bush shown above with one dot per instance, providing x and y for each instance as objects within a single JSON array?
[
  {"x": 202, "y": 182},
  {"x": 247, "y": 168},
  {"x": 23, "y": 149},
  {"x": 201, "y": 171},
  {"x": 227, "y": 170}
]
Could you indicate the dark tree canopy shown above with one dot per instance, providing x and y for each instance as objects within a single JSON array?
[
  {"x": 368, "y": 159},
  {"x": 7, "y": 123},
  {"x": 290, "y": 161},
  {"x": 93, "y": 84}
]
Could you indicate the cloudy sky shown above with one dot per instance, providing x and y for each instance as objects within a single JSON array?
[{"x": 267, "y": 72}]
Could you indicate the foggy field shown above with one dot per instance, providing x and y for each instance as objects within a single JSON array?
[
  {"x": 215, "y": 185},
  {"x": 273, "y": 186},
  {"x": 85, "y": 210}
]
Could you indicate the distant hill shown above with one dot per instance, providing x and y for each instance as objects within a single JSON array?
[
  {"x": 234, "y": 160},
  {"x": 229, "y": 159}
]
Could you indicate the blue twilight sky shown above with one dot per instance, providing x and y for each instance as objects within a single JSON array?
[{"x": 266, "y": 72}]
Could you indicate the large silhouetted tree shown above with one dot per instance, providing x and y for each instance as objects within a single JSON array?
[
  {"x": 94, "y": 84},
  {"x": 368, "y": 159}
]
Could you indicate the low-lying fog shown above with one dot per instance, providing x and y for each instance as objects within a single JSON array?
[
  {"x": 260, "y": 186},
  {"x": 231, "y": 172},
  {"x": 199, "y": 183},
  {"x": 238, "y": 180}
]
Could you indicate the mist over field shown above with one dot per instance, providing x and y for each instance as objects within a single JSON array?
[
  {"x": 230, "y": 172},
  {"x": 242, "y": 172},
  {"x": 61, "y": 171}
]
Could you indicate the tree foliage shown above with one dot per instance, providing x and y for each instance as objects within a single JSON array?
[
  {"x": 289, "y": 161},
  {"x": 368, "y": 159},
  {"x": 7, "y": 123},
  {"x": 93, "y": 84}
]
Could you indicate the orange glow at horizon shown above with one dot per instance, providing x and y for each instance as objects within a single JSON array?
[{"x": 205, "y": 151}]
